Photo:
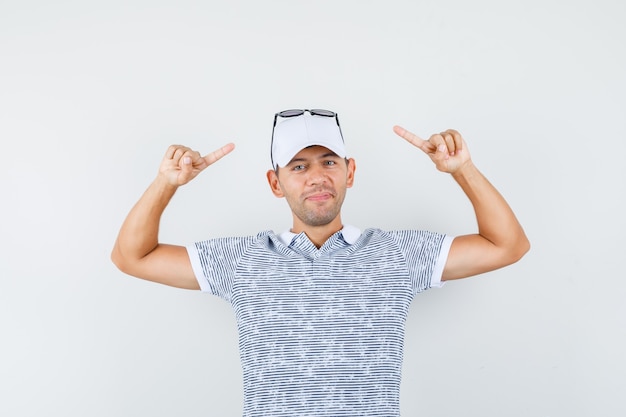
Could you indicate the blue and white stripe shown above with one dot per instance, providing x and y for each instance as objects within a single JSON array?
[{"x": 321, "y": 331}]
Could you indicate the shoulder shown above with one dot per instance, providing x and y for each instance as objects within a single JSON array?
[
  {"x": 408, "y": 239},
  {"x": 405, "y": 234},
  {"x": 264, "y": 238}
]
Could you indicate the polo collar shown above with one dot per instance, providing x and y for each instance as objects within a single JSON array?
[{"x": 349, "y": 233}]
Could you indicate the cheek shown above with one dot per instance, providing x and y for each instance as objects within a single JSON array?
[{"x": 287, "y": 187}]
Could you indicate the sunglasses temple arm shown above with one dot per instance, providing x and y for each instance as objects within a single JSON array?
[
  {"x": 272, "y": 142},
  {"x": 339, "y": 126}
]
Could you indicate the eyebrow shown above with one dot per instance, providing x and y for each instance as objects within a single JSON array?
[{"x": 326, "y": 155}]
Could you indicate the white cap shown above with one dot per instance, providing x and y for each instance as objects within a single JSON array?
[{"x": 292, "y": 134}]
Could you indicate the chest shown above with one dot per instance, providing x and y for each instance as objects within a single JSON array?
[{"x": 346, "y": 292}]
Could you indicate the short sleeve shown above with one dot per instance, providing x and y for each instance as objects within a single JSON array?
[
  {"x": 435, "y": 280},
  {"x": 426, "y": 254},
  {"x": 215, "y": 261}
]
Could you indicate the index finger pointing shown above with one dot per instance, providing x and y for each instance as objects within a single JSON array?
[
  {"x": 412, "y": 138},
  {"x": 219, "y": 153}
]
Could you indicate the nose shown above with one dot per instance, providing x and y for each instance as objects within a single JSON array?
[{"x": 316, "y": 175}]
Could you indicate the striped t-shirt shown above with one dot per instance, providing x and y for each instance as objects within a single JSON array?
[{"x": 321, "y": 331}]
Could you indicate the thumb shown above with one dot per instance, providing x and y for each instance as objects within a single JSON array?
[{"x": 186, "y": 173}]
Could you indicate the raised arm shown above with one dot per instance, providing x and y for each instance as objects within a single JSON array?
[
  {"x": 500, "y": 240},
  {"x": 137, "y": 250}
]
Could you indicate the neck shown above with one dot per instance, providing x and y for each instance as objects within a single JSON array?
[{"x": 318, "y": 235}]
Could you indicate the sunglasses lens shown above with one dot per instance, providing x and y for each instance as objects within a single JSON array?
[
  {"x": 320, "y": 112},
  {"x": 291, "y": 113},
  {"x": 300, "y": 112}
]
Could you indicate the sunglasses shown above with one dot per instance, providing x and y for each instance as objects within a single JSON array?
[{"x": 300, "y": 112}]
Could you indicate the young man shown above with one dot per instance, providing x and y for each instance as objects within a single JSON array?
[{"x": 320, "y": 308}]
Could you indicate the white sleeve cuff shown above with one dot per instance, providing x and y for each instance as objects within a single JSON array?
[
  {"x": 194, "y": 258},
  {"x": 436, "y": 281}
]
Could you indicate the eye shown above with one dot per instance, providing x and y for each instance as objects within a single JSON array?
[
  {"x": 330, "y": 163},
  {"x": 298, "y": 167}
]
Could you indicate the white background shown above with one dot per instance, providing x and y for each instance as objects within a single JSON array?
[{"x": 92, "y": 93}]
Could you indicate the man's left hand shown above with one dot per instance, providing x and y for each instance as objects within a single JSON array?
[{"x": 447, "y": 149}]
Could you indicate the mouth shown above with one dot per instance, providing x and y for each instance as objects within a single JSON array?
[{"x": 319, "y": 195}]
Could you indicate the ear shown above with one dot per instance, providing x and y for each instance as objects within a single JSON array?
[
  {"x": 350, "y": 174},
  {"x": 272, "y": 179}
]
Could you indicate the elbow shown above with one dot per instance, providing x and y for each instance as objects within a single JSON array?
[
  {"x": 526, "y": 246},
  {"x": 118, "y": 259},
  {"x": 521, "y": 248}
]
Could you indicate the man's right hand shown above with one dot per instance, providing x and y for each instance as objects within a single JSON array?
[
  {"x": 181, "y": 164},
  {"x": 137, "y": 250}
]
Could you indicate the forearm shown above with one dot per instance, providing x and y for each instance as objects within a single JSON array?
[
  {"x": 496, "y": 221},
  {"x": 500, "y": 240},
  {"x": 139, "y": 233},
  {"x": 137, "y": 250}
]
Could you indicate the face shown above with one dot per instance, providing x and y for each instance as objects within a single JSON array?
[{"x": 314, "y": 183}]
